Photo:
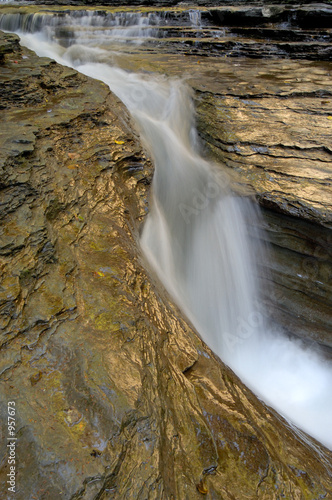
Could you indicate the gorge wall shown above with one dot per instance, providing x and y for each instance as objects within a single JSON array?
[{"x": 270, "y": 126}]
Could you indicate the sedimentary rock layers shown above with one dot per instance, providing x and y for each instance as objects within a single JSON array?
[{"x": 116, "y": 396}]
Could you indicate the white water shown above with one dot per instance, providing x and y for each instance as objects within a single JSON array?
[
  {"x": 84, "y": 26},
  {"x": 196, "y": 238}
]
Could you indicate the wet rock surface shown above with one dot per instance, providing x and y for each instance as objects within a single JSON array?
[
  {"x": 257, "y": 30},
  {"x": 116, "y": 396},
  {"x": 269, "y": 126},
  {"x": 273, "y": 128}
]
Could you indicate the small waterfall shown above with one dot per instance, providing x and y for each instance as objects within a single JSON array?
[
  {"x": 195, "y": 17},
  {"x": 198, "y": 238},
  {"x": 88, "y": 27}
]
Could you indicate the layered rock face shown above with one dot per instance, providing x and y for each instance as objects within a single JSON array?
[
  {"x": 271, "y": 125},
  {"x": 255, "y": 31},
  {"x": 116, "y": 396}
]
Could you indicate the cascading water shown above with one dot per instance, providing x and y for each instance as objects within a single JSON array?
[
  {"x": 196, "y": 239},
  {"x": 195, "y": 17},
  {"x": 88, "y": 27}
]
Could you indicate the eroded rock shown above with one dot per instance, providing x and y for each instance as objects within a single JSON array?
[
  {"x": 116, "y": 396},
  {"x": 238, "y": 30},
  {"x": 268, "y": 124},
  {"x": 272, "y": 131}
]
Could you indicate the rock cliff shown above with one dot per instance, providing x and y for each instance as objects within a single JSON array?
[
  {"x": 116, "y": 396},
  {"x": 270, "y": 125}
]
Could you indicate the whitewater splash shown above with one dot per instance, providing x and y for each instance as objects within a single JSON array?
[{"x": 196, "y": 239}]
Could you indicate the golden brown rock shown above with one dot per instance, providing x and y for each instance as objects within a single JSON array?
[
  {"x": 116, "y": 396},
  {"x": 268, "y": 123}
]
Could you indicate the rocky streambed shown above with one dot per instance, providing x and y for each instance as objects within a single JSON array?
[
  {"x": 116, "y": 395},
  {"x": 268, "y": 121}
]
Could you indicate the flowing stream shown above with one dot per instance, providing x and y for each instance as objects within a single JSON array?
[{"x": 196, "y": 234}]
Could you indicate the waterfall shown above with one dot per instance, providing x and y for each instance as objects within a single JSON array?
[
  {"x": 195, "y": 17},
  {"x": 198, "y": 238},
  {"x": 88, "y": 27}
]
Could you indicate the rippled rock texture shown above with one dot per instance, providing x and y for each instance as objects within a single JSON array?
[
  {"x": 116, "y": 396},
  {"x": 271, "y": 125},
  {"x": 255, "y": 31}
]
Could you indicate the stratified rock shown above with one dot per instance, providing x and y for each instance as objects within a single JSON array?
[
  {"x": 255, "y": 31},
  {"x": 115, "y": 395},
  {"x": 270, "y": 125},
  {"x": 8, "y": 45}
]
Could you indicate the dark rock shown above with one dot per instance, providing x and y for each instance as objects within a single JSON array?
[
  {"x": 8, "y": 45},
  {"x": 308, "y": 16},
  {"x": 301, "y": 272}
]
